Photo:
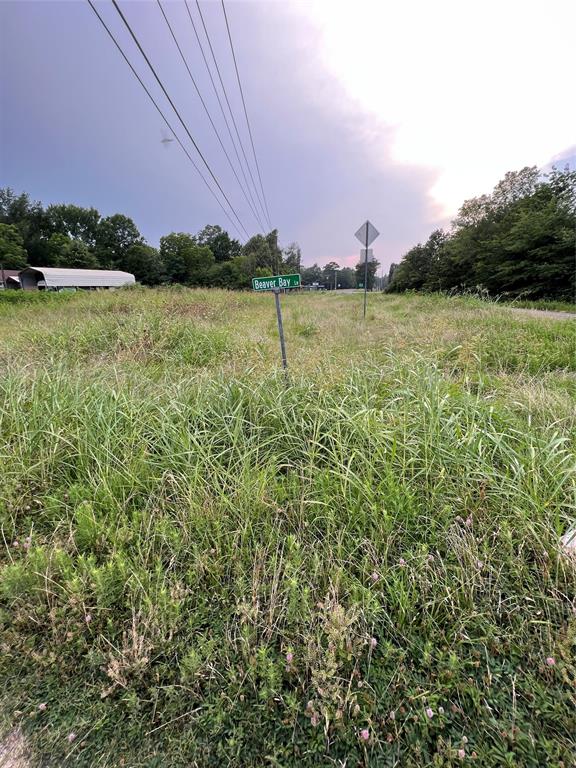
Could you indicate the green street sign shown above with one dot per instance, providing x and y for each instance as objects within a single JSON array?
[{"x": 273, "y": 283}]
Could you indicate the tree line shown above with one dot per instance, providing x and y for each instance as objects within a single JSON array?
[
  {"x": 518, "y": 241},
  {"x": 72, "y": 236}
]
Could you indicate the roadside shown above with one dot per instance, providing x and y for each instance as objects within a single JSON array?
[{"x": 545, "y": 313}]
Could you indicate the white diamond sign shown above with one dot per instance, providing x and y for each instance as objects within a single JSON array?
[{"x": 367, "y": 233}]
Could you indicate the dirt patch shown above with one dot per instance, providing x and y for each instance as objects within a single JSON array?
[
  {"x": 545, "y": 313},
  {"x": 13, "y": 751}
]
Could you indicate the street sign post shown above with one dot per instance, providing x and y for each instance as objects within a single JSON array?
[
  {"x": 276, "y": 284},
  {"x": 366, "y": 234}
]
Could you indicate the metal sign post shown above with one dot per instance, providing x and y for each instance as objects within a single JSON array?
[
  {"x": 366, "y": 234},
  {"x": 276, "y": 284},
  {"x": 280, "y": 328}
]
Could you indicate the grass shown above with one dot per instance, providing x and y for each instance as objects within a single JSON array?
[{"x": 206, "y": 566}]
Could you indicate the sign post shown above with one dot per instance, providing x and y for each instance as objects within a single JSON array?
[
  {"x": 366, "y": 234},
  {"x": 276, "y": 284}
]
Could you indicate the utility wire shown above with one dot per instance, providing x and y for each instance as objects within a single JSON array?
[
  {"x": 220, "y": 104},
  {"x": 165, "y": 92},
  {"x": 162, "y": 115},
  {"x": 208, "y": 114},
  {"x": 232, "y": 113},
  {"x": 245, "y": 110}
]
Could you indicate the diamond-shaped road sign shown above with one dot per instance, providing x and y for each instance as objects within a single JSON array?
[{"x": 367, "y": 233}]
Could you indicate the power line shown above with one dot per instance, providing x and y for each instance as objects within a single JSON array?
[
  {"x": 163, "y": 116},
  {"x": 165, "y": 92},
  {"x": 220, "y": 103},
  {"x": 208, "y": 113},
  {"x": 245, "y": 110},
  {"x": 231, "y": 112}
]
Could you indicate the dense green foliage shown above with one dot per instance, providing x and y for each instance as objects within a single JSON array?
[
  {"x": 205, "y": 565},
  {"x": 76, "y": 237},
  {"x": 518, "y": 241}
]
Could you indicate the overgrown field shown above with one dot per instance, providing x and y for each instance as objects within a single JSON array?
[{"x": 205, "y": 565}]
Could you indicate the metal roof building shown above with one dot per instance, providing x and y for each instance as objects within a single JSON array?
[{"x": 46, "y": 278}]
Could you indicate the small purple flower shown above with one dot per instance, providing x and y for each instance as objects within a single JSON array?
[
  {"x": 27, "y": 542},
  {"x": 88, "y": 618},
  {"x": 42, "y": 707},
  {"x": 429, "y": 713},
  {"x": 71, "y": 737},
  {"x": 374, "y": 577},
  {"x": 461, "y": 754},
  {"x": 402, "y": 562},
  {"x": 289, "y": 657},
  {"x": 364, "y": 734},
  {"x": 373, "y": 642},
  {"x": 550, "y": 661}
]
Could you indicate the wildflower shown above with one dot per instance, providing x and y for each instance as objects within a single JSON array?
[
  {"x": 42, "y": 707},
  {"x": 27, "y": 542},
  {"x": 374, "y": 577},
  {"x": 402, "y": 562},
  {"x": 464, "y": 739},
  {"x": 429, "y": 713},
  {"x": 440, "y": 710},
  {"x": 71, "y": 737},
  {"x": 479, "y": 564},
  {"x": 468, "y": 522},
  {"x": 88, "y": 618},
  {"x": 364, "y": 734},
  {"x": 373, "y": 642},
  {"x": 461, "y": 754},
  {"x": 550, "y": 661},
  {"x": 289, "y": 657},
  {"x": 315, "y": 719},
  {"x": 16, "y": 544},
  {"x": 430, "y": 558},
  {"x": 392, "y": 715}
]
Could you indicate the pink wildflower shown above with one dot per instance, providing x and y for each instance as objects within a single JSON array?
[
  {"x": 461, "y": 754},
  {"x": 373, "y": 642},
  {"x": 365, "y": 734},
  {"x": 430, "y": 558},
  {"x": 550, "y": 661},
  {"x": 289, "y": 657},
  {"x": 71, "y": 737},
  {"x": 88, "y": 618},
  {"x": 374, "y": 576},
  {"x": 42, "y": 707},
  {"x": 468, "y": 522},
  {"x": 429, "y": 713},
  {"x": 16, "y": 544},
  {"x": 402, "y": 562}
]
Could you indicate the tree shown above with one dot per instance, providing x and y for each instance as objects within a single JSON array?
[
  {"x": 330, "y": 274},
  {"x": 145, "y": 263},
  {"x": 220, "y": 243},
  {"x": 372, "y": 269},
  {"x": 115, "y": 236},
  {"x": 291, "y": 258},
  {"x": 12, "y": 252},
  {"x": 311, "y": 275},
  {"x": 79, "y": 256},
  {"x": 73, "y": 221},
  {"x": 184, "y": 260},
  {"x": 347, "y": 278}
]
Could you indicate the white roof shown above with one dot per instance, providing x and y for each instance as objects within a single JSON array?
[{"x": 88, "y": 278}]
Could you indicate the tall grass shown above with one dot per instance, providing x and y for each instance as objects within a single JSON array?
[{"x": 215, "y": 568}]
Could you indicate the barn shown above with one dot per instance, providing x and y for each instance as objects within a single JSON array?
[{"x": 57, "y": 279}]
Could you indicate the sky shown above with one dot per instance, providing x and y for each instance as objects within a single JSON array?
[{"x": 392, "y": 111}]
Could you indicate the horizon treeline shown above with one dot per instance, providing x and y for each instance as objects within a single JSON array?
[
  {"x": 67, "y": 235},
  {"x": 519, "y": 241}
]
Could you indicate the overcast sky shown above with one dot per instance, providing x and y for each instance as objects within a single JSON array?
[{"x": 387, "y": 110}]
